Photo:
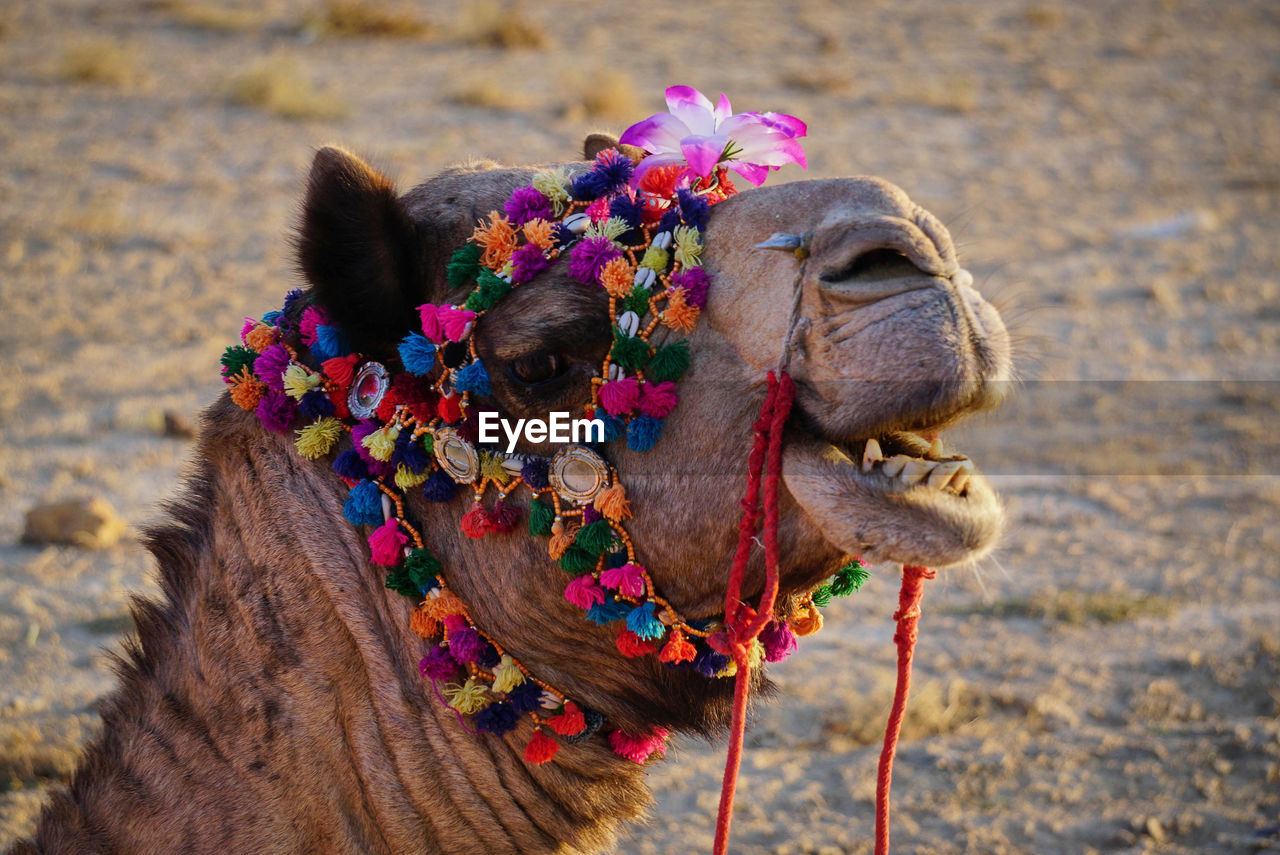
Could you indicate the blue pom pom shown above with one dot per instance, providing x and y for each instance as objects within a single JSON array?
[
  {"x": 643, "y": 432},
  {"x": 439, "y": 487},
  {"x": 708, "y": 662},
  {"x": 315, "y": 405},
  {"x": 349, "y": 465},
  {"x": 562, "y": 235},
  {"x": 364, "y": 504},
  {"x": 613, "y": 429},
  {"x": 669, "y": 220},
  {"x": 410, "y": 452},
  {"x": 607, "y": 612},
  {"x": 270, "y": 318},
  {"x": 291, "y": 299},
  {"x": 534, "y": 472},
  {"x": 417, "y": 354},
  {"x": 473, "y": 379},
  {"x": 641, "y": 621},
  {"x": 526, "y": 697},
  {"x": 498, "y": 718},
  {"x": 627, "y": 209},
  {"x": 331, "y": 342},
  {"x": 589, "y": 185}
]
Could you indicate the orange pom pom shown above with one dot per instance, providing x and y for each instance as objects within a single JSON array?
[
  {"x": 678, "y": 649},
  {"x": 498, "y": 238},
  {"x": 540, "y": 749},
  {"x": 806, "y": 620},
  {"x": 260, "y": 337},
  {"x": 617, "y": 277},
  {"x": 246, "y": 390},
  {"x": 679, "y": 315},
  {"x": 560, "y": 541},
  {"x": 444, "y": 605},
  {"x": 538, "y": 233},
  {"x": 423, "y": 623}
]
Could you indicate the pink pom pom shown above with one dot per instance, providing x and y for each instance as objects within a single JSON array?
[
  {"x": 619, "y": 397},
  {"x": 638, "y": 749},
  {"x": 598, "y": 210},
  {"x": 658, "y": 399},
  {"x": 456, "y": 323},
  {"x": 430, "y": 315},
  {"x": 627, "y": 580},
  {"x": 386, "y": 543},
  {"x": 249, "y": 324},
  {"x": 583, "y": 592},
  {"x": 778, "y": 641},
  {"x": 312, "y": 317}
]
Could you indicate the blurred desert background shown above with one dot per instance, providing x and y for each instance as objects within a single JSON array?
[{"x": 1108, "y": 682}]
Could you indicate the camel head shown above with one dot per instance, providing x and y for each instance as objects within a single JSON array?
[{"x": 891, "y": 344}]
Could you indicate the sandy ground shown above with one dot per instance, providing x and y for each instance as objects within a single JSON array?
[{"x": 1109, "y": 681}]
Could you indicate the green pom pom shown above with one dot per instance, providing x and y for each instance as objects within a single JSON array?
[
  {"x": 400, "y": 581},
  {"x": 577, "y": 561},
  {"x": 637, "y": 301},
  {"x": 629, "y": 351},
  {"x": 463, "y": 265},
  {"x": 489, "y": 290},
  {"x": 669, "y": 363},
  {"x": 429, "y": 442},
  {"x": 596, "y": 538},
  {"x": 848, "y": 579},
  {"x": 541, "y": 516},
  {"x": 422, "y": 567},
  {"x": 821, "y": 596},
  {"x": 235, "y": 358}
]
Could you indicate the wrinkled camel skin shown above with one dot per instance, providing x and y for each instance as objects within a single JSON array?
[{"x": 271, "y": 703}]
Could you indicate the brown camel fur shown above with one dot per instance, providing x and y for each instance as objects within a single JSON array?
[{"x": 271, "y": 701}]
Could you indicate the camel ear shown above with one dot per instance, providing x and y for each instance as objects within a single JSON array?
[
  {"x": 596, "y": 143},
  {"x": 360, "y": 251}
]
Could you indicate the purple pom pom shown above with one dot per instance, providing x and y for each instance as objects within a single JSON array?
[
  {"x": 526, "y": 697},
  {"x": 534, "y": 473},
  {"x": 669, "y": 220},
  {"x": 694, "y": 281},
  {"x": 315, "y": 405},
  {"x": 526, "y": 263},
  {"x": 349, "y": 465},
  {"x": 628, "y": 209},
  {"x": 589, "y": 257},
  {"x": 438, "y": 664},
  {"x": 708, "y": 662},
  {"x": 590, "y": 515},
  {"x": 439, "y": 487},
  {"x": 527, "y": 204},
  {"x": 466, "y": 645},
  {"x": 270, "y": 366},
  {"x": 276, "y": 410},
  {"x": 778, "y": 641},
  {"x": 693, "y": 209}
]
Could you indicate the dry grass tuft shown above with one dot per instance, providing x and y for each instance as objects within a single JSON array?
[
  {"x": 214, "y": 17},
  {"x": 609, "y": 94},
  {"x": 368, "y": 18},
  {"x": 1043, "y": 16},
  {"x": 816, "y": 80},
  {"x": 1078, "y": 608},
  {"x": 956, "y": 93},
  {"x": 935, "y": 708},
  {"x": 102, "y": 61},
  {"x": 278, "y": 85},
  {"x": 491, "y": 94},
  {"x": 501, "y": 25}
]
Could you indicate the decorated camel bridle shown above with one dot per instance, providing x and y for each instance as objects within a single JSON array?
[{"x": 636, "y": 231}]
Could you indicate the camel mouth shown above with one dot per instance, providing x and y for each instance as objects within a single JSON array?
[{"x": 899, "y": 461}]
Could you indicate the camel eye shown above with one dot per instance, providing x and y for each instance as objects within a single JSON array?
[{"x": 537, "y": 368}]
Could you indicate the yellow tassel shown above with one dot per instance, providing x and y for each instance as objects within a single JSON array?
[
  {"x": 507, "y": 675},
  {"x": 612, "y": 503},
  {"x": 491, "y": 467},
  {"x": 730, "y": 670},
  {"x": 688, "y": 246},
  {"x": 551, "y": 183},
  {"x": 612, "y": 228},
  {"x": 423, "y": 624},
  {"x": 382, "y": 443},
  {"x": 560, "y": 541},
  {"x": 406, "y": 479},
  {"x": 298, "y": 382},
  {"x": 468, "y": 698},
  {"x": 756, "y": 654},
  {"x": 317, "y": 439}
]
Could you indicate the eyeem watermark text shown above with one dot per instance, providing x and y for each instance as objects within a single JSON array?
[{"x": 557, "y": 428}]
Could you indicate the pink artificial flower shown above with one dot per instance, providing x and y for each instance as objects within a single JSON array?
[{"x": 703, "y": 136}]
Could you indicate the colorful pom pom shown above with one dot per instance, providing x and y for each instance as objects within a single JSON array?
[
  {"x": 386, "y": 543},
  {"x": 583, "y": 592},
  {"x": 638, "y": 749},
  {"x": 418, "y": 354},
  {"x": 540, "y": 749},
  {"x": 568, "y": 722},
  {"x": 364, "y": 504},
  {"x": 677, "y": 650},
  {"x": 318, "y": 438},
  {"x": 658, "y": 399},
  {"x": 438, "y": 664},
  {"x": 777, "y": 641},
  {"x": 643, "y": 432},
  {"x": 627, "y": 580},
  {"x": 631, "y": 645},
  {"x": 643, "y": 623},
  {"x": 473, "y": 378},
  {"x": 620, "y": 397}
]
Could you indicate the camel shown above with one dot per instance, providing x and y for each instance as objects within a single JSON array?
[{"x": 271, "y": 700}]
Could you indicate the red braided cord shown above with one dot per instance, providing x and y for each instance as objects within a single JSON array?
[
  {"x": 742, "y": 623},
  {"x": 908, "y": 619}
]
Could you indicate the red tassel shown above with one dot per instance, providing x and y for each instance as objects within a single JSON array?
[
  {"x": 449, "y": 408},
  {"x": 630, "y": 644},
  {"x": 503, "y": 517},
  {"x": 340, "y": 370},
  {"x": 677, "y": 650},
  {"x": 570, "y": 722},
  {"x": 476, "y": 522},
  {"x": 540, "y": 749}
]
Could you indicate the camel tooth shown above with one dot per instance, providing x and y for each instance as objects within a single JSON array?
[
  {"x": 942, "y": 473},
  {"x": 915, "y": 471},
  {"x": 871, "y": 455},
  {"x": 961, "y": 480},
  {"x": 935, "y": 448},
  {"x": 894, "y": 465}
]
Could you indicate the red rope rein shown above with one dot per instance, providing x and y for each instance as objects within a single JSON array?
[{"x": 743, "y": 623}]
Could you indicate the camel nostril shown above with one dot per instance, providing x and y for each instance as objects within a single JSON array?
[{"x": 874, "y": 265}]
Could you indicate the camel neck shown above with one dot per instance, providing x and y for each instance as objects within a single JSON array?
[{"x": 272, "y": 701}]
